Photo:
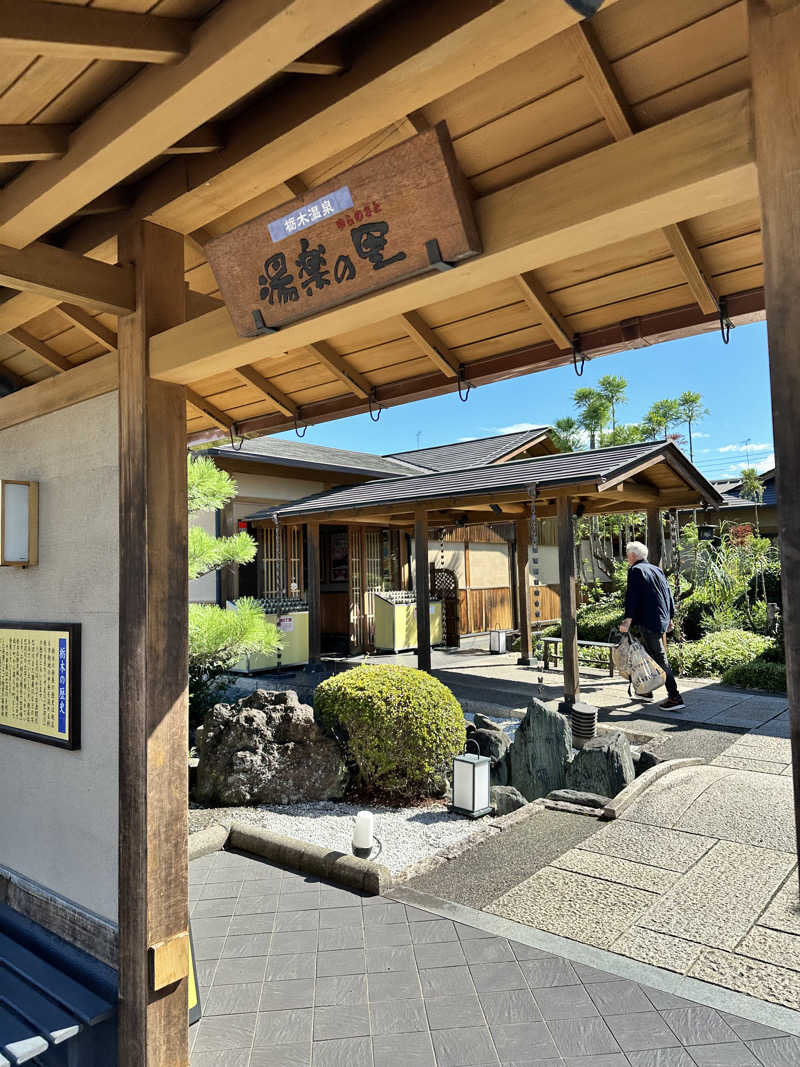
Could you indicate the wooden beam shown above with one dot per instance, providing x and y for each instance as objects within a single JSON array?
[
  {"x": 237, "y": 48},
  {"x": 416, "y": 122},
  {"x": 353, "y": 379},
  {"x": 106, "y": 204},
  {"x": 774, "y": 44},
  {"x": 422, "y": 578},
  {"x": 89, "y": 324},
  {"x": 198, "y": 304},
  {"x": 433, "y": 347},
  {"x": 153, "y": 663},
  {"x": 26, "y": 144},
  {"x": 524, "y": 591},
  {"x": 777, "y": 7},
  {"x": 326, "y": 58},
  {"x": 12, "y": 378},
  {"x": 206, "y": 138},
  {"x": 42, "y": 350},
  {"x": 610, "y": 100},
  {"x": 89, "y": 33},
  {"x": 282, "y": 402},
  {"x": 654, "y": 536},
  {"x": 95, "y": 378},
  {"x": 313, "y": 591},
  {"x": 64, "y": 276},
  {"x": 543, "y": 306},
  {"x": 680, "y": 168},
  {"x": 566, "y": 581},
  {"x": 225, "y": 422},
  {"x": 295, "y": 186}
]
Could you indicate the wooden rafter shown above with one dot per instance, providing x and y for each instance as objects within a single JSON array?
[
  {"x": 89, "y": 33},
  {"x": 64, "y": 276},
  {"x": 433, "y": 347},
  {"x": 225, "y": 422},
  {"x": 326, "y": 58},
  {"x": 89, "y": 324},
  {"x": 236, "y": 49},
  {"x": 24, "y": 144},
  {"x": 544, "y": 308},
  {"x": 610, "y": 100},
  {"x": 282, "y": 402},
  {"x": 115, "y": 200},
  {"x": 353, "y": 379},
  {"x": 7, "y": 374},
  {"x": 206, "y": 138},
  {"x": 43, "y": 351}
]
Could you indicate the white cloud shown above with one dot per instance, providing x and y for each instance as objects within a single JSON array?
[
  {"x": 742, "y": 449},
  {"x": 699, "y": 433},
  {"x": 515, "y": 427},
  {"x": 766, "y": 464}
]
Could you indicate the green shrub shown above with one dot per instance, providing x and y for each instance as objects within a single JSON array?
[
  {"x": 716, "y": 653},
  {"x": 691, "y": 612},
  {"x": 401, "y": 726},
  {"x": 596, "y": 621},
  {"x": 724, "y": 617},
  {"x": 759, "y": 673},
  {"x": 772, "y": 582}
]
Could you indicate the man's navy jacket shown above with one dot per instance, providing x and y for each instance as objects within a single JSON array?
[{"x": 648, "y": 600}]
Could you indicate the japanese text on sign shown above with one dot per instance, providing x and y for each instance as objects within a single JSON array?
[
  {"x": 35, "y": 683},
  {"x": 330, "y": 204}
]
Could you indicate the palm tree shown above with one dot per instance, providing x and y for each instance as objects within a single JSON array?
[
  {"x": 612, "y": 388},
  {"x": 594, "y": 411},
  {"x": 567, "y": 434},
  {"x": 692, "y": 411},
  {"x": 662, "y": 415},
  {"x": 752, "y": 488}
]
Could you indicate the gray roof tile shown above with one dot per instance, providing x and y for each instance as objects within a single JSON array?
[
  {"x": 300, "y": 454},
  {"x": 463, "y": 454}
]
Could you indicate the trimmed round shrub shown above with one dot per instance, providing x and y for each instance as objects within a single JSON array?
[
  {"x": 772, "y": 583},
  {"x": 759, "y": 673},
  {"x": 717, "y": 652},
  {"x": 401, "y": 727}
]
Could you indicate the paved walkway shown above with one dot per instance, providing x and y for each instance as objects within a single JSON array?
[{"x": 294, "y": 972}]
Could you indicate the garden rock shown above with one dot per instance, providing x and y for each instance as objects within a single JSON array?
[
  {"x": 500, "y": 771},
  {"x": 575, "y": 796},
  {"x": 505, "y": 799},
  {"x": 540, "y": 752},
  {"x": 483, "y": 722},
  {"x": 492, "y": 743},
  {"x": 647, "y": 760},
  {"x": 604, "y": 765},
  {"x": 267, "y": 749}
]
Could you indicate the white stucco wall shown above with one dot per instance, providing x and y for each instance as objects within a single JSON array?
[
  {"x": 204, "y": 590},
  {"x": 58, "y": 808},
  {"x": 488, "y": 566}
]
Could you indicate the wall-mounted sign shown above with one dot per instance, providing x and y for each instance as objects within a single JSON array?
[
  {"x": 40, "y": 670},
  {"x": 363, "y": 230}
]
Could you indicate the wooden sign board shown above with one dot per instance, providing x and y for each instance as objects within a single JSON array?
[
  {"x": 363, "y": 230},
  {"x": 40, "y": 670}
]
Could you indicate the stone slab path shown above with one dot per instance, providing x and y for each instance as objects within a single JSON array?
[{"x": 295, "y": 972}]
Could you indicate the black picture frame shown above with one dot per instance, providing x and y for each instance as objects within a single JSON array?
[{"x": 73, "y": 739}]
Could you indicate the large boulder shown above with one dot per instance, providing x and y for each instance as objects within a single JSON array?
[
  {"x": 604, "y": 765},
  {"x": 505, "y": 799},
  {"x": 267, "y": 749},
  {"x": 584, "y": 800},
  {"x": 483, "y": 722},
  {"x": 540, "y": 752},
  {"x": 492, "y": 743}
]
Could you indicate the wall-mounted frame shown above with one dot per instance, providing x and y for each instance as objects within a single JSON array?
[
  {"x": 40, "y": 682},
  {"x": 19, "y": 523}
]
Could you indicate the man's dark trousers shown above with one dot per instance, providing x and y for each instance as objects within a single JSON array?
[{"x": 655, "y": 649}]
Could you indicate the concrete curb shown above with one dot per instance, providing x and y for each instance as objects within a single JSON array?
[
  {"x": 212, "y": 839},
  {"x": 633, "y": 791},
  {"x": 339, "y": 867}
]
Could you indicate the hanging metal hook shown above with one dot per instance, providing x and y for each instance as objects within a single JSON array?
[
  {"x": 374, "y": 414},
  {"x": 725, "y": 324},
  {"x": 463, "y": 395},
  {"x": 577, "y": 351},
  {"x": 297, "y": 429},
  {"x": 241, "y": 440}
]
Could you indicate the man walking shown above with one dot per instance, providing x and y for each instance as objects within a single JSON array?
[{"x": 650, "y": 607}]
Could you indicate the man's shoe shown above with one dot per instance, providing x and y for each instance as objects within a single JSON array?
[{"x": 672, "y": 704}]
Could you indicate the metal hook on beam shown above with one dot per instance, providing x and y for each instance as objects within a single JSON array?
[
  {"x": 463, "y": 395},
  {"x": 576, "y": 352},
  {"x": 374, "y": 412},
  {"x": 725, "y": 324}
]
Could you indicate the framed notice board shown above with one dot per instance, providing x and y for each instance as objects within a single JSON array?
[{"x": 40, "y": 672}]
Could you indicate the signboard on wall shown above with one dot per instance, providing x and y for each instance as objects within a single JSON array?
[
  {"x": 363, "y": 230},
  {"x": 40, "y": 669}
]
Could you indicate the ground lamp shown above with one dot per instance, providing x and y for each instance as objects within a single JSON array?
[
  {"x": 363, "y": 835},
  {"x": 19, "y": 523},
  {"x": 471, "y": 784}
]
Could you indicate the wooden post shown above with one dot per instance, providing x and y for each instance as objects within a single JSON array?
[
  {"x": 423, "y": 595},
  {"x": 654, "y": 536},
  {"x": 153, "y": 702},
  {"x": 467, "y": 584},
  {"x": 566, "y": 577},
  {"x": 524, "y": 592},
  {"x": 314, "y": 605},
  {"x": 229, "y": 576},
  {"x": 774, "y": 47},
  {"x": 365, "y": 640},
  {"x": 404, "y": 575}
]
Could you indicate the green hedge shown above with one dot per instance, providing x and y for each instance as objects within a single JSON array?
[
  {"x": 759, "y": 673},
  {"x": 717, "y": 652},
  {"x": 772, "y": 583},
  {"x": 401, "y": 727}
]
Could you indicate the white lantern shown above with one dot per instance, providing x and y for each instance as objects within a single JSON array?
[
  {"x": 19, "y": 524},
  {"x": 363, "y": 835},
  {"x": 471, "y": 784}
]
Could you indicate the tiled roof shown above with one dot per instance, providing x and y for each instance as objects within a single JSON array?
[
  {"x": 317, "y": 457},
  {"x": 476, "y": 452}
]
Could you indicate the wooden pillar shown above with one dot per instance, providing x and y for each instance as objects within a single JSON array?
[
  {"x": 467, "y": 586},
  {"x": 423, "y": 594},
  {"x": 314, "y": 605},
  {"x": 524, "y": 592},
  {"x": 404, "y": 569},
  {"x": 229, "y": 576},
  {"x": 775, "y": 72},
  {"x": 654, "y": 536},
  {"x": 153, "y": 703},
  {"x": 566, "y": 578}
]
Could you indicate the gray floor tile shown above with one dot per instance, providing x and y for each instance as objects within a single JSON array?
[
  {"x": 391, "y": 913},
  {"x": 618, "y": 998},
  {"x": 203, "y": 928},
  {"x": 296, "y": 965},
  {"x": 331, "y": 938},
  {"x": 565, "y": 1002},
  {"x": 221, "y": 1032},
  {"x": 387, "y": 934},
  {"x": 231, "y": 972},
  {"x": 239, "y": 945},
  {"x": 446, "y": 981},
  {"x": 391, "y": 985},
  {"x": 550, "y": 972},
  {"x": 343, "y": 1052},
  {"x": 746, "y": 1030},
  {"x": 470, "y": 933},
  {"x": 210, "y": 909},
  {"x": 205, "y": 971},
  {"x": 582, "y": 1037},
  {"x": 510, "y": 1006},
  {"x": 589, "y": 975},
  {"x": 287, "y": 942},
  {"x": 698, "y": 1026},
  {"x": 216, "y": 890},
  {"x": 398, "y": 1017},
  {"x": 663, "y": 1001},
  {"x": 445, "y": 1013},
  {"x": 440, "y": 954},
  {"x": 662, "y": 1057},
  {"x": 777, "y": 1051},
  {"x": 256, "y": 904},
  {"x": 297, "y": 920},
  {"x": 298, "y": 901},
  {"x": 470, "y": 1047},
  {"x": 232, "y": 999},
  {"x": 488, "y": 950},
  {"x": 339, "y": 917},
  {"x": 436, "y": 930},
  {"x": 608, "y": 1059},
  {"x": 330, "y": 897},
  {"x": 233, "y": 1058},
  {"x": 341, "y": 989},
  {"x": 523, "y": 1041},
  {"x": 403, "y": 1050},
  {"x": 293, "y": 993},
  {"x": 489, "y": 977},
  {"x": 341, "y": 1020},
  {"x": 344, "y": 961},
  {"x": 730, "y": 1054},
  {"x": 528, "y": 952},
  {"x": 641, "y": 1030},
  {"x": 283, "y": 1027},
  {"x": 397, "y": 958},
  {"x": 417, "y": 915},
  {"x": 208, "y": 948},
  {"x": 259, "y": 923},
  {"x": 295, "y": 1055}
]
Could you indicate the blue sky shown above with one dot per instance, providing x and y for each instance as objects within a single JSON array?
[{"x": 733, "y": 380}]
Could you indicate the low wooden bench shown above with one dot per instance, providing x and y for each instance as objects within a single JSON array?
[
  {"x": 49, "y": 1012},
  {"x": 551, "y": 651}
]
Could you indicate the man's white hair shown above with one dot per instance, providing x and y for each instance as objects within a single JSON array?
[{"x": 636, "y": 549}]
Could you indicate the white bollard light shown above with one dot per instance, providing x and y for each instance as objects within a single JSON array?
[{"x": 363, "y": 831}]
